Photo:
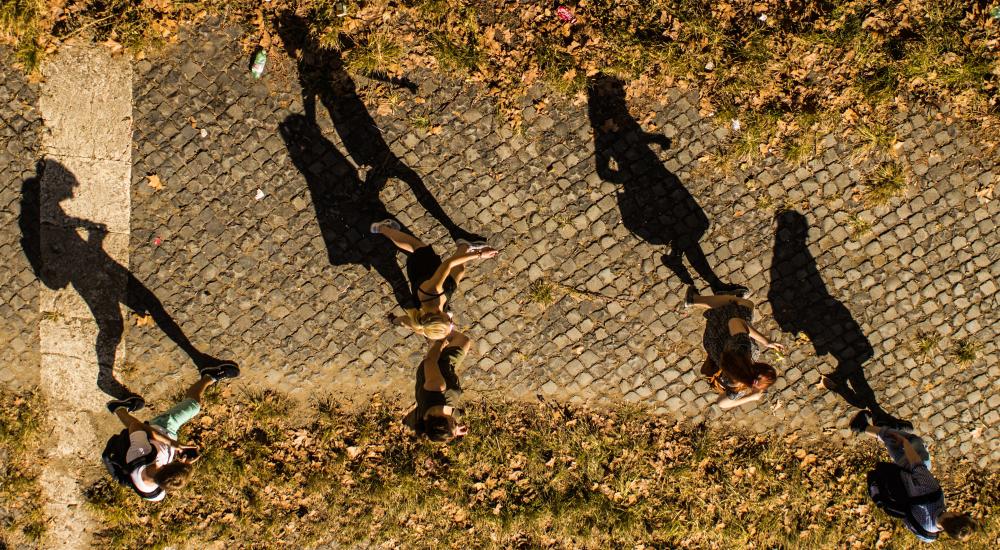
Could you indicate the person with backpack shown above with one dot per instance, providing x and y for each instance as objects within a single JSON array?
[
  {"x": 905, "y": 487},
  {"x": 147, "y": 456}
]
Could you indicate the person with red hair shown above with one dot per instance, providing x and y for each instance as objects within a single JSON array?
[{"x": 733, "y": 346}]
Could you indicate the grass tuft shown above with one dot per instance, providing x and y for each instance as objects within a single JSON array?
[
  {"x": 966, "y": 351},
  {"x": 887, "y": 182},
  {"x": 859, "y": 226},
  {"x": 377, "y": 55},
  {"x": 541, "y": 292},
  {"x": 926, "y": 344}
]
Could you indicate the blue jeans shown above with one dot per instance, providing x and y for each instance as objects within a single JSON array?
[{"x": 895, "y": 447}]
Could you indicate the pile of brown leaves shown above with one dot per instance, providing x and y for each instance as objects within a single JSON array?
[{"x": 529, "y": 475}]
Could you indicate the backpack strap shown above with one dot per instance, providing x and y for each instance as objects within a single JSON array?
[{"x": 914, "y": 526}]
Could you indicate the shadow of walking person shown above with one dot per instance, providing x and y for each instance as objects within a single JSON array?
[
  {"x": 60, "y": 257},
  {"x": 323, "y": 77},
  {"x": 801, "y": 303},
  {"x": 655, "y": 206},
  {"x": 345, "y": 206}
]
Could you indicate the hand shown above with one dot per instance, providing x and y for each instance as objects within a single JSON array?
[
  {"x": 486, "y": 253},
  {"x": 776, "y": 346}
]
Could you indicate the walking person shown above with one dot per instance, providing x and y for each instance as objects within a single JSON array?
[
  {"x": 438, "y": 413},
  {"x": 906, "y": 489},
  {"x": 733, "y": 349},
  {"x": 433, "y": 281},
  {"x": 147, "y": 456}
]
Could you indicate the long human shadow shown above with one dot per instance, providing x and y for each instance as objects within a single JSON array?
[
  {"x": 655, "y": 205},
  {"x": 60, "y": 257},
  {"x": 345, "y": 206},
  {"x": 801, "y": 303},
  {"x": 323, "y": 78}
]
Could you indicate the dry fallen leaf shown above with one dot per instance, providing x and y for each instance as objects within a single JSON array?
[
  {"x": 144, "y": 320},
  {"x": 154, "y": 182}
]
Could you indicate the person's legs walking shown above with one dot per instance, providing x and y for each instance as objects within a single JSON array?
[
  {"x": 403, "y": 241},
  {"x": 895, "y": 448},
  {"x": 178, "y": 415}
]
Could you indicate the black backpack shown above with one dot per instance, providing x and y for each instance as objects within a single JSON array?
[
  {"x": 886, "y": 488},
  {"x": 114, "y": 460}
]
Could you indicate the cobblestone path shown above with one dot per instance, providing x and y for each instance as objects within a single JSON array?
[
  {"x": 20, "y": 127},
  {"x": 255, "y": 279}
]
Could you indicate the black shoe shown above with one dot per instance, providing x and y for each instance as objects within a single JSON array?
[
  {"x": 222, "y": 370},
  {"x": 860, "y": 422},
  {"x": 689, "y": 295},
  {"x": 131, "y": 404}
]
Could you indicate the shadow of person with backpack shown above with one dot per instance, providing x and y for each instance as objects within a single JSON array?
[
  {"x": 60, "y": 257},
  {"x": 801, "y": 302}
]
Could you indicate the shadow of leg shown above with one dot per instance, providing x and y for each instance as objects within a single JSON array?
[
  {"x": 674, "y": 262},
  {"x": 142, "y": 300},
  {"x": 699, "y": 262},
  {"x": 109, "y": 337},
  {"x": 431, "y": 204},
  {"x": 866, "y": 396}
]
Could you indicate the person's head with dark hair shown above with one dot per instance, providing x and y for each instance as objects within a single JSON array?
[
  {"x": 746, "y": 373},
  {"x": 959, "y": 526},
  {"x": 173, "y": 476},
  {"x": 439, "y": 428}
]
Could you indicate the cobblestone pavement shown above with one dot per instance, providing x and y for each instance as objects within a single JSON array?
[
  {"x": 20, "y": 126},
  {"x": 259, "y": 280}
]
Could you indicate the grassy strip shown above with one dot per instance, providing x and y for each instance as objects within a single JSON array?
[
  {"x": 762, "y": 61},
  {"x": 21, "y": 520},
  {"x": 543, "y": 475}
]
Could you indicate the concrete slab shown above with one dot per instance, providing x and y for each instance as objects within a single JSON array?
[{"x": 86, "y": 103}]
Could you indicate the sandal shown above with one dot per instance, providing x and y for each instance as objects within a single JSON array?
[
  {"x": 221, "y": 371},
  {"x": 474, "y": 246},
  {"x": 375, "y": 227}
]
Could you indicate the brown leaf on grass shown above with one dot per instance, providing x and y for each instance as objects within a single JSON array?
[
  {"x": 113, "y": 45},
  {"x": 144, "y": 320},
  {"x": 154, "y": 182}
]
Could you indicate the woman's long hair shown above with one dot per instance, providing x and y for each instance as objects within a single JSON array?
[
  {"x": 433, "y": 325},
  {"x": 744, "y": 372}
]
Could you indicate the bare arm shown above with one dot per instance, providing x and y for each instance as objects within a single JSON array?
[
  {"x": 433, "y": 380},
  {"x": 739, "y": 326},
  {"x": 727, "y": 403},
  {"x": 437, "y": 280}
]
